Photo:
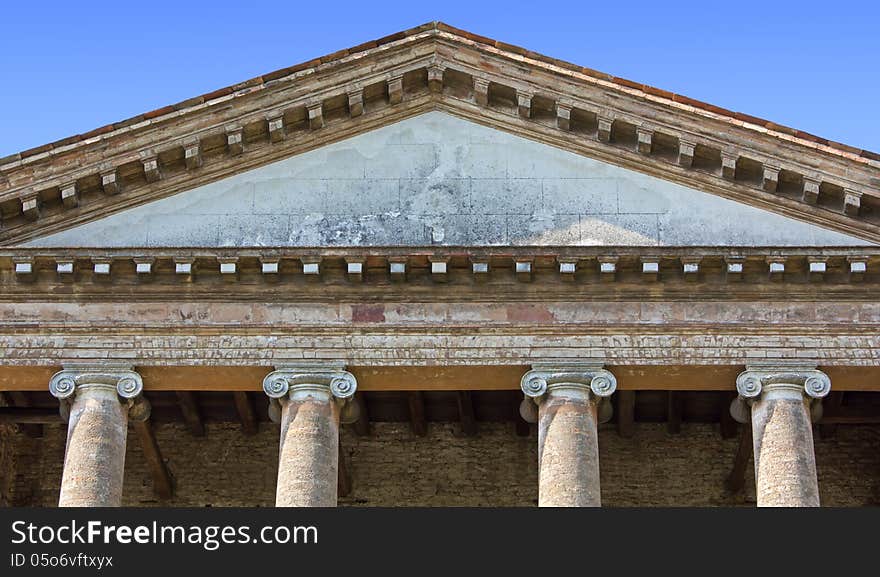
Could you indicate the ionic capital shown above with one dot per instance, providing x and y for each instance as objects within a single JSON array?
[
  {"x": 586, "y": 382},
  {"x": 128, "y": 385},
  {"x": 319, "y": 381},
  {"x": 541, "y": 381},
  {"x": 779, "y": 382}
]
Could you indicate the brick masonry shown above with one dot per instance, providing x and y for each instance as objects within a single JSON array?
[{"x": 392, "y": 467}]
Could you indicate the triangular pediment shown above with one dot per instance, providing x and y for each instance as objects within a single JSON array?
[
  {"x": 436, "y": 179},
  {"x": 682, "y": 171}
]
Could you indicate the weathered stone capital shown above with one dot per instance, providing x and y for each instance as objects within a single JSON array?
[
  {"x": 293, "y": 382},
  {"x": 320, "y": 382},
  {"x": 575, "y": 381},
  {"x": 779, "y": 382},
  {"x": 588, "y": 381},
  {"x": 69, "y": 382},
  {"x": 812, "y": 383}
]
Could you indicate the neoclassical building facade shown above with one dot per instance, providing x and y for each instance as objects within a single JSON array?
[{"x": 441, "y": 230}]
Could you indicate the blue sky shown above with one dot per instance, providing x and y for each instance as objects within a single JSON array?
[{"x": 68, "y": 67}]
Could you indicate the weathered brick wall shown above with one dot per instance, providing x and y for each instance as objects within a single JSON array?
[
  {"x": 496, "y": 468},
  {"x": 20, "y": 461},
  {"x": 7, "y": 465}
]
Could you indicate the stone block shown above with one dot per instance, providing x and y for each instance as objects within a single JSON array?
[
  {"x": 506, "y": 196},
  {"x": 436, "y": 196},
  {"x": 636, "y": 229},
  {"x": 361, "y": 197},
  {"x": 404, "y": 161},
  {"x": 543, "y": 229},
  {"x": 580, "y": 195}
]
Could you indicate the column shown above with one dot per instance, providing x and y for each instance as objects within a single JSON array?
[
  {"x": 782, "y": 404},
  {"x": 97, "y": 402},
  {"x": 568, "y": 402},
  {"x": 309, "y": 401}
]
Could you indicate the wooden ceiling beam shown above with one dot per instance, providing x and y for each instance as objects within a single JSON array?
[
  {"x": 851, "y": 415},
  {"x": 626, "y": 406},
  {"x": 846, "y": 419},
  {"x": 523, "y": 429},
  {"x": 736, "y": 480},
  {"x": 466, "y": 413},
  {"x": 20, "y": 399},
  {"x": 484, "y": 377},
  {"x": 418, "y": 422},
  {"x": 727, "y": 426},
  {"x": 29, "y": 416},
  {"x": 189, "y": 408},
  {"x": 830, "y": 405},
  {"x": 362, "y": 425},
  {"x": 246, "y": 413},
  {"x": 343, "y": 479},
  {"x": 163, "y": 486},
  {"x": 674, "y": 406}
]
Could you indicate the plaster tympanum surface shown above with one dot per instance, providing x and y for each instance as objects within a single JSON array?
[{"x": 438, "y": 179}]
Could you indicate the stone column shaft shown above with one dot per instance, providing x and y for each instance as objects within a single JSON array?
[
  {"x": 568, "y": 452},
  {"x": 568, "y": 440},
  {"x": 97, "y": 404},
  {"x": 94, "y": 460},
  {"x": 782, "y": 404},
  {"x": 308, "y": 462},
  {"x": 310, "y": 404}
]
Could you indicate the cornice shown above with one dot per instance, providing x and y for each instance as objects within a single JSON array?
[
  {"x": 435, "y": 67},
  {"x": 441, "y": 274}
]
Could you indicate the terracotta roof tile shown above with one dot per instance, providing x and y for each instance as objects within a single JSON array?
[
  {"x": 658, "y": 92},
  {"x": 158, "y": 112},
  {"x": 251, "y": 82},
  {"x": 37, "y": 150},
  {"x": 780, "y": 128},
  {"x": 511, "y": 48},
  {"x": 335, "y": 56},
  {"x": 68, "y": 140},
  {"x": 810, "y": 137},
  {"x": 685, "y": 100},
  {"x": 750, "y": 119},
  {"x": 390, "y": 38},
  {"x": 845, "y": 147},
  {"x": 187, "y": 103},
  {"x": 218, "y": 93},
  {"x": 540, "y": 57},
  {"x": 702, "y": 105},
  {"x": 362, "y": 47},
  {"x": 278, "y": 74},
  {"x": 302, "y": 66},
  {"x": 464, "y": 33},
  {"x": 97, "y": 131},
  {"x": 420, "y": 28},
  {"x": 627, "y": 83},
  {"x": 128, "y": 121},
  {"x": 596, "y": 74}
]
